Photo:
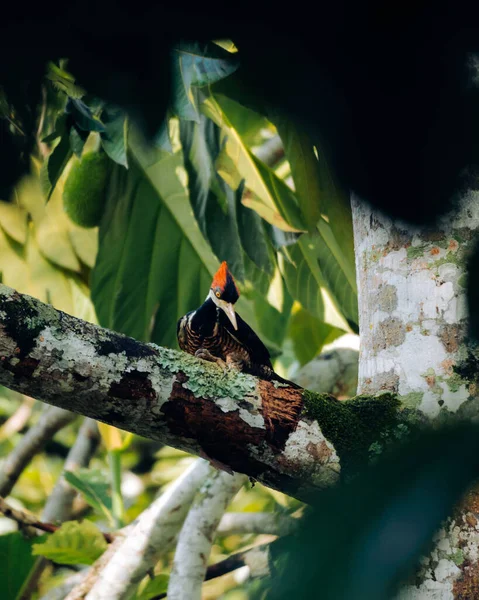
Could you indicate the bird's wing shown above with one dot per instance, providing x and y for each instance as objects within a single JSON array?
[{"x": 245, "y": 336}]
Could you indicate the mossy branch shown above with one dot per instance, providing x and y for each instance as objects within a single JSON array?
[{"x": 289, "y": 439}]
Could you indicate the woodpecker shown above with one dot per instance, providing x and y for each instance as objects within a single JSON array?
[{"x": 215, "y": 332}]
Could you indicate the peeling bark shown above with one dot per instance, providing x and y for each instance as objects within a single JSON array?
[{"x": 268, "y": 431}]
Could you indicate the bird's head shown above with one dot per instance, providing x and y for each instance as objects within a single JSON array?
[{"x": 224, "y": 292}]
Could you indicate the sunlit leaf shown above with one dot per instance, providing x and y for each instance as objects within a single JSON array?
[
  {"x": 13, "y": 219},
  {"x": 47, "y": 282},
  {"x": 264, "y": 191},
  {"x": 111, "y": 436},
  {"x": 84, "y": 242},
  {"x": 53, "y": 234},
  {"x": 13, "y": 265},
  {"x": 73, "y": 543},
  {"x": 64, "y": 81}
]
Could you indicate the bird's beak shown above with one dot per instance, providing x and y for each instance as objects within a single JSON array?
[{"x": 230, "y": 313}]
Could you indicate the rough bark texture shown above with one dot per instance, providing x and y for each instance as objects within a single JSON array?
[
  {"x": 281, "y": 436},
  {"x": 412, "y": 308},
  {"x": 413, "y": 318}
]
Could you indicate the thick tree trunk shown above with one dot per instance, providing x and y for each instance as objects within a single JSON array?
[
  {"x": 288, "y": 439},
  {"x": 413, "y": 319}
]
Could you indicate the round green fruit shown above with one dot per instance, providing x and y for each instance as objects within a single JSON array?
[{"x": 84, "y": 194}]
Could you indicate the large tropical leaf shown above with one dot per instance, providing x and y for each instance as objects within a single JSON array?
[
  {"x": 230, "y": 228},
  {"x": 309, "y": 335},
  {"x": 212, "y": 200},
  {"x": 264, "y": 191},
  {"x": 114, "y": 138},
  {"x": 153, "y": 264},
  {"x": 195, "y": 64},
  {"x": 306, "y": 282}
]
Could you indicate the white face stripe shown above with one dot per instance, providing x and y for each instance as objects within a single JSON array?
[
  {"x": 219, "y": 303},
  {"x": 227, "y": 307}
]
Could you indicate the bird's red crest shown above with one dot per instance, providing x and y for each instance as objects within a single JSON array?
[{"x": 223, "y": 278}]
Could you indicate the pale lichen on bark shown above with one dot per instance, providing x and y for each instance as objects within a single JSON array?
[
  {"x": 413, "y": 323},
  {"x": 412, "y": 300}
]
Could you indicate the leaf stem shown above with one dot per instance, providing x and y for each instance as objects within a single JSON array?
[{"x": 118, "y": 509}]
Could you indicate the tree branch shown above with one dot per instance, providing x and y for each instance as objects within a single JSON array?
[
  {"x": 59, "y": 504},
  {"x": 51, "y": 420},
  {"x": 286, "y": 438},
  {"x": 197, "y": 534},
  {"x": 153, "y": 534},
  {"x": 257, "y": 523}
]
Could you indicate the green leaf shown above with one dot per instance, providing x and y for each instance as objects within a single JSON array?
[
  {"x": 57, "y": 161},
  {"x": 299, "y": 151},
  {"x": 94, "y": 486},
  {"x": 306, "y": 282},
  {"x": 213, "y": 201},
  {"x": 162, "y": 139},
  {"x": 309, "y": 335},
  {"x": 73, "y": 543},
  {"x": 264, "y": 191},
  {"x": 248, "y": 123},
  {"x": 16, "y": 561},
  {"x": 78, "y": 138},
  {"x": 272, "y": 310},
  {"x": 254, "y": 236},
  {"x": 114, "y": 138},
  {"x": 64, "y": 81},
  {"x": 83, "y": 116},
  {"x": 196, "y": 64},
  {"x": 13, "y": 220},
  {"x": 154, "y": 587},
  {"x": 153, "y": 263}
]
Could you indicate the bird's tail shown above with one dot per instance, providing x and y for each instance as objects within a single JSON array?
[
  {"x": 276, "y": 377},
  {"x": 266, "y": 372}
]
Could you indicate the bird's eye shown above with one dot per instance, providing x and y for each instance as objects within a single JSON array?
[{"x": 218, "y": 295}]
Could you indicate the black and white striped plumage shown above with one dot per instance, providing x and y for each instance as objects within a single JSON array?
[
  {"x": 209, "y": 328},
  {"x": 214, "y": 331}
]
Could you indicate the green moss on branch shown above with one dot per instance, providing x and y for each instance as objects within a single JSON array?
[{"x": 352, "y": 426}]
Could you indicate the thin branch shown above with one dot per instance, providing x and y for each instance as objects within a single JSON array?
[
  {"x": 27, "y": 520},
  {"x": 51, "y": 420},
  {"x": 18, "y": 420},
  {"x": 60, "y": 502},
  {"x": 24, "y": 519},
  {"x": 156, "y": 529},
  {"x": 257, "y": 559},
  {"x": 257, "y": 523},
  {"x": 95, "y": 573},
  {"x": 197, "y": 535},
  {"x": 59, "y": 506}
]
